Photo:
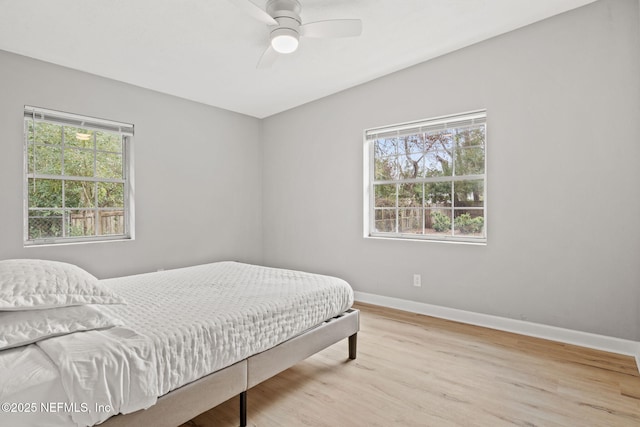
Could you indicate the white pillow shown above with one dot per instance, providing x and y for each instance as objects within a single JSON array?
[
  {"x": 25, "y": 327},
  {"x": 29, "y": 284}
]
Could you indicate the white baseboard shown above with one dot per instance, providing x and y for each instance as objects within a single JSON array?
[{"x": 553, "y": 333}]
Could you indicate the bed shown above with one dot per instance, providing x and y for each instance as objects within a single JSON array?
[{"x": 158, "y": 348}]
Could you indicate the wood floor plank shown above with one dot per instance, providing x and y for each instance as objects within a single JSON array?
[{"x": 415, "y": 370}]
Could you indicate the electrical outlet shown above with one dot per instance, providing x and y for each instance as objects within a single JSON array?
[{"x": 417, "y": 280}]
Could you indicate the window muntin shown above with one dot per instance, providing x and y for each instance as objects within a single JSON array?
[
  {"x": 77, "y": 178},
  {"x": 427, "y": 180}
]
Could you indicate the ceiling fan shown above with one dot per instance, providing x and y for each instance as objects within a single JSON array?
[{"x": 283, "y": 19}]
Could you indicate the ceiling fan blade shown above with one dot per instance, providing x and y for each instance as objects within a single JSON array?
[
  {"x": 332, "y": 28},
  {"x": 253, "y": 10},
  {"x": 268, "y": 58}
]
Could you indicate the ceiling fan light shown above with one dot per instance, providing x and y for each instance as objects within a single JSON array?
[{"x": 284, "y": 40}]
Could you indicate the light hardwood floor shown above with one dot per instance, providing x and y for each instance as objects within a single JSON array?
[{"x": 415, "y": 370}]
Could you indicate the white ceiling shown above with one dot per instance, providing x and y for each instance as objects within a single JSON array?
[{"x": 207, "y": 50}]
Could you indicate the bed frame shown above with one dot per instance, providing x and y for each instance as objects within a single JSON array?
[{"x": 190, "y": 400}]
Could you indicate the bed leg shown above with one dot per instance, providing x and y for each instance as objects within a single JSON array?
[
  {"x": 243, "y": 409},
  {"x": 353, "y": 346}
]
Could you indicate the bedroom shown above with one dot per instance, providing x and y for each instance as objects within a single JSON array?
[{"x": 559, "y": 94}]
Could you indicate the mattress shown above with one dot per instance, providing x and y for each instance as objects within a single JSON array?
[{"x": 207, "y": 317}]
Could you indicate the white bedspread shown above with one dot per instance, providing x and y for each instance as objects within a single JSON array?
[
  {"x": 79, "y": 379},
  {"x": 109, "y": 372},
  {"x": 28, "y": 377},
  {"x": 204, "y": 318}
]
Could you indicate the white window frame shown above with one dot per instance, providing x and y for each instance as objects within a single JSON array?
[
  {"x": 125, "y": 130},
  {"x": 472, "y": 118}
]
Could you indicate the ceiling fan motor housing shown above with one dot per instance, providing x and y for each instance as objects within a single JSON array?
[{"x": 286, "y": 13}]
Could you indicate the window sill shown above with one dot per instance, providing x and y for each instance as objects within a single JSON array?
[
  {"x": 475, "y": 242},
  {"x": 52, "y": 242}
]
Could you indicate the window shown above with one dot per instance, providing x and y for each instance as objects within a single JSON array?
[
  {"x": 426, "y": 180},
  {"x": 77, "y": 178}
]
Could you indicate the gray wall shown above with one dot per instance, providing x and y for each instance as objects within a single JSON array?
[
  {"x": 197, "y": 171},
  {"x": 563, "y": 104}
]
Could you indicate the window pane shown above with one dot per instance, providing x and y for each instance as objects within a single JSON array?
[
  {"x": 31, "y": 167},
  {"x": 469, "y": 136},
  {"x": 79, "y": 194},
  {"x": 469, "y": 193},
  {"x": 469, "y": 161},
  {"x": 111, "y": 222},
  {"x": 29, "y": 124},
  {"x": 410, "y": 221},
  {"x": 46, "y": 133},
  {"x": 386, "y": 168},
  {"x": 46, "y": 159},
  {"x": 411, "y": 165},
  {"x": 45, "y": 224},
  {"x": 385, "y": 195},
  {"x": 78, "y": 162},
  {"x": 438, "y": 221},
  {"x": 109, "y": 165},
  {"x": 45, "y": 193},
  {"x": 80, "y": 223},
  {"x": 385, "y": 220},
  {"x": 412, "y": 144},
  {"x": 469, "y": 222},
  {"x": 385, "y": 147},
  {"x": 437, "y": 194},
  {"x": 108, "y": 142},
  {"x": 438, "y": 154},
  {"x": 78, "y": 137},
  {"x": 110, "y": 195},
  {"x": 410, "y": 195}
]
